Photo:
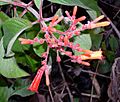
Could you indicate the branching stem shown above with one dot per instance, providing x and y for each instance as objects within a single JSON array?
[{"x": 61, "y": 72}]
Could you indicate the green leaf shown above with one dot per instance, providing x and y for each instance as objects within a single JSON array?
[
  {"x": 110, "y": 55},
  {"x": 92, "y": 13},
  {"x": 85, "y": 42},
  {"x": 2, "y": 51},
  {"x": 113, "y": 43},
  {"x": 21, "y": 87},
  {"x": 39, "y": 48},
  {"x": 8, "y": 66},
  {"x": 37, "y": 3},
  {"x": 12, "y": 29},
  {"x": 5, "y": 93},
  {"x": 96, "y": 41},
  {"x": 3, "y": 3},
  {"x": 10, "y": 69},
  {"x": 59, "y": 12},
  {"x": 90, "y": 5},
  {"x": 23, "y": 92},
  {"x": 31, "y": 62},
  {"x": 3, "y": 18}
]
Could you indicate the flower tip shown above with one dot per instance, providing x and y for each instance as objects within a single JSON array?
[
  {"x": 21, "y": 39},
  {"x": 102, "y": 24},
  {"x": 54, "y": 18},
  {"x": 84, "y": 17},
  {"x": 98, "y": 18},
  {"x": 74, "y": 11},
  {"x": 101, "y": 17},
  {"x": 33, "y": 90},
  {"x": 107, "y": 23},
  {"x": 85, "y": 63}
]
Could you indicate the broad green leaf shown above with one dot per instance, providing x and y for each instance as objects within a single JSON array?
[
  {"x": 3, "y": 18},
  {"x": 96, "y": 41},
  {"x": 21, "y": 88},
  {"x": 12, "y": 29},
  {"x": 90, "y": 5},
  {"x": 5, "y": 93},
  {"x": 37, "y": 3},
  {"x": 8, "y": 66},
  {"x": 2, "y": 51},
  {"x": 10, "y": 69},
  {"x": 23, "y": 92},
  {"x": 113, "y": 43},
  {"x": 85, "y": 42}
]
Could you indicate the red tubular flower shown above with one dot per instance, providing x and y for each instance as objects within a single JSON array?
[{"x": 35, "y": 83}]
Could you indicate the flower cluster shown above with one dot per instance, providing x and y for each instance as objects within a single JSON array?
[{"x": 64, "y": 41}]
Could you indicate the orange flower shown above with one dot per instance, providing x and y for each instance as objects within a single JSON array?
[
  {"x": 100, "y": 24},
  {"x": 95, "y": 23},
  {"x": 93, "y": 55},
  {"x": 98, "y": 19}
]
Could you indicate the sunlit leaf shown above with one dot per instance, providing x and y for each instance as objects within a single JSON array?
[
  {"x": 37, "y": 3},
  {"x": 8, "y": 66},
  {"x": 3, "y": 18},
  {"x": 12, "y": 29},
  {"x": 85, "y": 42}
]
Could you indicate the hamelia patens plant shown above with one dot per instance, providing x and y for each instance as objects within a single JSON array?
[{"x": 63, "y": 41}]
